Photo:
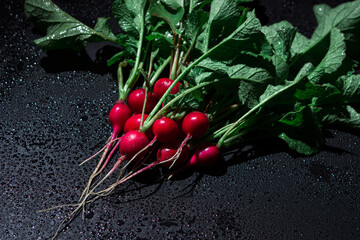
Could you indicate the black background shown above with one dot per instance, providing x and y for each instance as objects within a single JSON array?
[{"x": 54, "y": 110}]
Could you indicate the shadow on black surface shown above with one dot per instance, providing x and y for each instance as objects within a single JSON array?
[
  {"x": 188, "y": 190},
  {"x": 329, "y": 135},
  {"x": 70, "y": 60},
  {"x": 157, "y": 177},
  {"x": 252, "y": 150},
  {"x": 266, "y": 147},
  {"x": 116, "y": 195}
]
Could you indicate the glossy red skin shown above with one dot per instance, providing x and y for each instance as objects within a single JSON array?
[
  {"x": 133, "y": 123},
  {"x": 136, "y": 101},
  {"x": 167, "y": 150},
  {"x": 118, "y": 116},
  {"x": 165, "y": 130},
  {"x": 162, "y": 85},
  {"x": 205, "y": 155},
  {"x": 132, "y": 142},
  {"x": 195, "y": 124}
]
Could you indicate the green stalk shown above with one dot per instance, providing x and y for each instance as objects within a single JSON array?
[
  {"x": 160, "y": 112},
  {"x": 191, "y": 6},
  {"x": 151, "y": 63},
  {"x": 134, "y": 72},
  {"x": 159, "y": 71},
  {"x": 144, "y": 106},
  {"x": 186, "y": 71},
  {"x": 176, "y": 57},
  {"x": 136, "y": 77},
  {"x": 120, "y": 77},
  {"x": 172, "y": 53},
  {"x": 247, "y": 114},
  {"x": 228, "y": 141},
  {"x": 189, "y": 50},
  {"x": 218, "y": 133}
]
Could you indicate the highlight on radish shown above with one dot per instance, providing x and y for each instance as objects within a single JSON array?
[
  {"x": 137, "y": 99},
  {"x": 165, "y": 130},
  {"x": 162, "y": 85},
  {"x": 132, "y": 142},
  {"x": 195, "y": 124},
  {"x": 118, "y": 116}
]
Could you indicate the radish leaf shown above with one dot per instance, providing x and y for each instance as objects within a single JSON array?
[
  {"x": 302, "y": 132},
  {"x": 344, "y": 115},
  {"x": 345, "y": 17},
  {"x": 64, "y": 31},
  {"x": 333, "y": 58},
  {"x": 171, "y": 11},
  {"x": 128, "y": 13}
]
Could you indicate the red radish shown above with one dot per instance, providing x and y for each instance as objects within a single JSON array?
[
  {"x": 162, "y": 85},
  {"x": 134, "y": 123},
  {"x": 118, "y": 116},
  {"x": 169, "y": 157},
  {"x": 205, "y": 155},
  {"x": 136, "y": 101},
  {"x": 132, "y": 142},
  {"x": 195, "y": 124},
  {"x": 165, "y": 130}
]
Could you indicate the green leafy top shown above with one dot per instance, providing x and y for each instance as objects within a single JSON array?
[
  {"x": 64, "y": 31},
  {"x": 253, "y": 80}
]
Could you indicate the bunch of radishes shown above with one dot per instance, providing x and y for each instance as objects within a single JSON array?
[
  {"x": 230, "y": 80},
  {"x": 170, "y": 136}
]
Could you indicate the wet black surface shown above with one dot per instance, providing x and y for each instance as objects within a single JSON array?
[{"x": 54, "y": 114}]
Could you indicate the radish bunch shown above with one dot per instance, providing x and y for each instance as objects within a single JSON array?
[
  {"x": 205, "y": 75},
  {"x": 135, "y": 137},
  {"x": 148, "y": 132}
]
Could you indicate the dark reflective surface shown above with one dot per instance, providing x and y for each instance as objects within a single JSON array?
[{"x": 54, "y": 115}]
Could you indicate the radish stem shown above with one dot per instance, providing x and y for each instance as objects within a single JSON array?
[{"x": 159, "y": 112}]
